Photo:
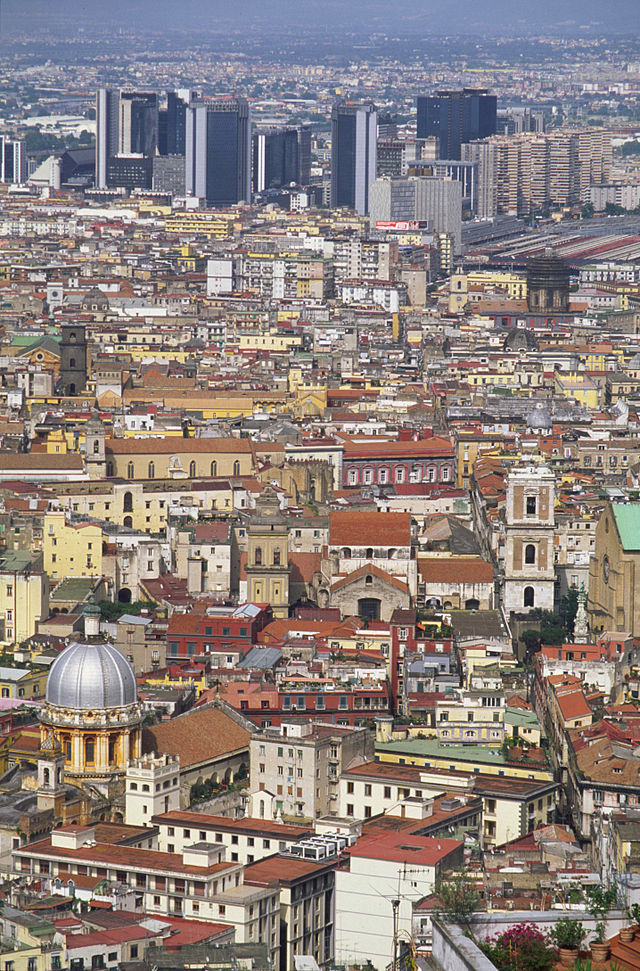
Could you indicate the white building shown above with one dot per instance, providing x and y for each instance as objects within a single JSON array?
[{"x": 380, "y": 872}]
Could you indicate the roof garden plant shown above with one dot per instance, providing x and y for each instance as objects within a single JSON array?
[{"x": 521, "y": 948}]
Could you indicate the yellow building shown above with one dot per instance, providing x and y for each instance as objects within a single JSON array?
[
  {"x": 204, "y": 224},
  {"x": 514, "y": 285},
  {"x": 24, "y": 595},
  {"x": 71, "y": 549},
  {"x": 22, "y": 683},
  {"x": 431, "y": 754},
  {"x": 577, "y": 385}
]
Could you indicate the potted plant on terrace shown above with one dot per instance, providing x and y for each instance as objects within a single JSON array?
[
  {"x": 568, "y": 935},
  {"x": 632, "y": 914},
  {"x": 601, "y": 900}
]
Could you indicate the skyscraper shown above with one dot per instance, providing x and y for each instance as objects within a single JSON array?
[
  {"x": 138, "y": 123},
  {"x": 107, "y": 127},
  {"x": 456, "y": 117},
  {"x": 218, "y": 151},
  {"x": 281, "y": 156},
  {"x": 176, "y": 123},
  {"x": 353, "y": 155},
  {"x": 13, "y": 160}
]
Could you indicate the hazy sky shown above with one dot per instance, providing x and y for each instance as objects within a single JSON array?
[{"x": 398, "y": 16}]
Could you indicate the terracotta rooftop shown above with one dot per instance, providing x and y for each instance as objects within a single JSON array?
[
  {"x": 369, "y": 528},
  {"x": 198, "y": 736}
]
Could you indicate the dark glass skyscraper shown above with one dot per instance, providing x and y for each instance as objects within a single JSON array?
[
  {"x": 456, "y": 117},
  {"x": 138, "y": 134},
  {"x": 281, "y": 156},
  {"x": 218, "y": 151},
  {"x": 176, "y": 124},
  {"x": 354, "y": 141}
]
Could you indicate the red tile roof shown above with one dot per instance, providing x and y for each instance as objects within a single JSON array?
[
  {"x": 369, "y": 528},
  {"x": 198, "y": 736},
  {"x": 455, "y": 569}
]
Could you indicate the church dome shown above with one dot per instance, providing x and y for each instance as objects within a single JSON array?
[{"x": 90, "y": 677}]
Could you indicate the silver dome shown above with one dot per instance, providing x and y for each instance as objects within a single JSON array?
[{"x": 91, "y": 676}]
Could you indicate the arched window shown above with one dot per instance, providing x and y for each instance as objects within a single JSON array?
[
  {"x": 46, "y": 777},
  {"x": 151, "y": 471},
  {"x": 130, "y": 471},
  {"x": 368, "y": 579},
  {"x": 369, "y": 553},
  {"x": 89, "y": 749},
  {"x": 214, "y": 468},
  {"x": 529, "y": 597},
  {"x": 353, "y": 476},
  {"x": 258, "y": 556},
  {"x": 72, "y": 362},
  {"x": 346, "y": 553},
  {"x": 192, "y": 469},
  {"x": 72, "y": 388},
  {"x": 529, "y": 553},
  {"x": 72, "y": 335},
  {"x": 391, "y": 553},
  {"x": 276, "y": 556},
  {"x": 128, "y": 521},
  {"x": 96, "y": 447},
  {"x": 236, "y": 468},
  {"x": 127, "y": 502}
]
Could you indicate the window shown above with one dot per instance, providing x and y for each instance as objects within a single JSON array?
[
  {"x": 387, "y": 792},
  {"x": 151, "y": 471},
  {"x": 383, "y": 476},
  {"x": 350, "y": 786},
  {"x": 214, "y": 469},
  {"x": 257, "y": 558},
  {"x": 531, "y": 505},
  {"x": 89, "y": 750},
  {"x": 529, "y": 597},
  {"x": 367, "y": 789},
  {"x": 130, "y": 471},
  {"x": 236, "y": 468},
  {"x": 353, "y": 476},
  {"x": 529, "y": 553},
  {"x": 192, "y": 469},
  {"x": 276, "y": 557},
  {"x": 399, "y": 474}
]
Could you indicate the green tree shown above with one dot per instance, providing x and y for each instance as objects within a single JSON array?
[
  {"x": 459, "y": 899},
  {"x": 531, "y": 640}
]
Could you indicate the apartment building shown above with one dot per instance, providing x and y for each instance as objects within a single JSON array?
[{"x": 295, "y": 771}]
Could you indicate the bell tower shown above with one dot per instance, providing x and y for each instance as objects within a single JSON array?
[
  {"x": 529, "y": 573},
  {"x": 268, "y": 555},
  {"x": 51, "y": 775},
  {"x": 94, "y": 447},
  {"x": 73, "y": 359}
]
